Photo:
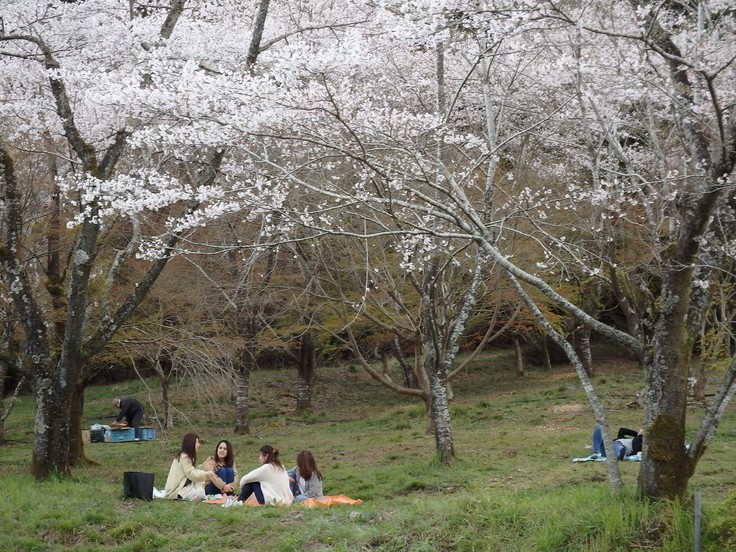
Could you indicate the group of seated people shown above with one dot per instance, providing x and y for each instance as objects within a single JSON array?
[{"x": 270, "y": 482}]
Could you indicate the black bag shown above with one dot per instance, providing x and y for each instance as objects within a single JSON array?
[{"x": 138, "y": 485}]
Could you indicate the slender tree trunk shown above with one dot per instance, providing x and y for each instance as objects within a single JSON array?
[
  {"x": 306, "y": 371},
  {"x": 586, "y": 356},
  {"x": 164, "y": 368},
  {"x": 410, "y": 378},
  {"x": 4, "y": 370},
  {"x": 440, "y": 409},
  {"x": 519, "y": 356},
  {"x": 244, "y": 369},
  {"x": 168, "y": 422},
  {"x": 701, "y": 380},
  {"x": 6, "y": 354},
  {"x": 545, "y": 350},
  {"x": 383, "y": 355},
  {"x": 437, "y": 371}
]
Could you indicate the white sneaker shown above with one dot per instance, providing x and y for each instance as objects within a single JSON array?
[{"x": 231, "y": 501}]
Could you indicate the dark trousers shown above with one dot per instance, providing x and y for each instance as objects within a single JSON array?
[
  {"x": 134, "y": 421},
  {"x": 226, "y": 474},
  {"x": 250, "y": 488}
]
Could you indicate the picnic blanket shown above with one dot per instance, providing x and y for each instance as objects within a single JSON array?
[
  {"x": 331, "y": 500},
  {"x": 324, "y": 502},
  {"x": 632, "y": 458},
  {"x": 220, "y": 499}
]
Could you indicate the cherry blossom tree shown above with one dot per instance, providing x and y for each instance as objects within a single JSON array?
[
  {"x": 631, "y": 129},
  {"x": 551, "y": 142},
  {"x": 101, "y": 89}
]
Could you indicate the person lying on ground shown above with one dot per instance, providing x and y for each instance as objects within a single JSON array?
[{"x": 627, "y": 443}]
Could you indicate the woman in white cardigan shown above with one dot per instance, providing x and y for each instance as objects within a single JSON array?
[
  {"x": 185, "y": 481},
  {"x": 269, "y": 482}
]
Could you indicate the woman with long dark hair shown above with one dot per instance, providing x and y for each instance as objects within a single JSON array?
[
  {"x": 225, "y": 470},
  {"x": 305, "y": 479},
  {"x": 184, "y": 480},
  {"x": 269, "y": 482}
]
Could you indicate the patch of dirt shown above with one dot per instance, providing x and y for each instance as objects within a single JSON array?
[
  {"x": 556, "y": 428},
  {"x": 569, "y": 408}
]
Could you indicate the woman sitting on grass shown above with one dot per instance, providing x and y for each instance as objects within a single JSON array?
[
  {"x": 269, "y": 482},
  {"x": 305, "y": 479},
  {"x": 225, "y": 470},
  {"x": 184, "y": 480}
]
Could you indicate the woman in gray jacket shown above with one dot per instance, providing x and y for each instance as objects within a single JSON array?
[{"x": 305, "y": 479}]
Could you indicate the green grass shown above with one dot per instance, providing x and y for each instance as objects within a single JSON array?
[{"x": 511, "y": 487}]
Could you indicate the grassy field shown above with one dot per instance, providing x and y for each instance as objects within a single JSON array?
[{"x": 512, "y": 486}]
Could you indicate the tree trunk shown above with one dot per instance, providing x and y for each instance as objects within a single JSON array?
[
  {"x": 164, "y": 368},
  {"x": 436, "y": 368},
  {"x": 306, "y": 371},
  {"x": 76, "y": 412},
  {"x": 244, "y": 369},
  {"x": 384, "y": 357},
  {"x": 545, "y": 352},
  {"x": 665, "y": 468},
  {"x": 519, "y": 356},
  {"x": 586, "y": 356},
  {"x": 4, "y": 370},
  {"x": 51, "y": 432},
  {"x": 701, "y": 380},
  {"x": 168, "y": 422},
  {"x": 410, "y": 378},
  {"x": 440, "y": 410}
]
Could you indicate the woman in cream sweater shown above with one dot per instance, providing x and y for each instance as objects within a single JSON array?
[
  {"x": 185, "y": 481},
  {"x": 269, "y": 482}
]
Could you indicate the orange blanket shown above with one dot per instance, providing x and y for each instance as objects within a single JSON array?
[
  {"x": 331, "y": 500},
  {"x": 251, "y": 501},
  {"x": 325, "y": 502}
]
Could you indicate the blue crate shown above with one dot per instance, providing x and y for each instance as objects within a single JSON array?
[
  {"x": 121, "y": 435},
  {"x": 147, "y": 433}
]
